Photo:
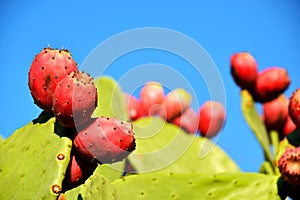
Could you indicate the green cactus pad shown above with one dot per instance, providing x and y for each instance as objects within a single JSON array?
[
  {"x": 255, "y": 123},
  {"x": 197, "y": 186},
  {"x": 110, "y": 99},
  {"x": 164, "y": 186},
  {"x": 112, "y": 171},
  {"x": 166, "y": 147},
  {"x": 33, "y": 161}
]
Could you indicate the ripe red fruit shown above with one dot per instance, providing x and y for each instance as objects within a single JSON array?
[
  {"x": 288, "y": 127},
  {"x": 151, "y": 95},
  {"x": 46, "y": 70},
  {"x": 270, "y": 83},
  {"x": 275, "y": 113},
  {"x": 105, "y": 139},
  {"x": 74, "y": 99},
  {"x": 211, "y": 118},
  {"x": 289, "y": 165},
  {"x": 134, "y": 107},
  {"x": 294, "y": 107},
  {"x": 78, "y": 171},
  {"x": 188, "y": 121},
  {"x": 244, "y": 70},
  {"x": 174, "y": 104}
]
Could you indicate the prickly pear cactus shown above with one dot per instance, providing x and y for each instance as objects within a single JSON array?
[
  {"x": 33, "y": 162},
  {"x": 165, "y": 147}
]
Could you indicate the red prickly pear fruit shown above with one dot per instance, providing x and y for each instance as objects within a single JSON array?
[
  {"x": 78, "y": 171},
  {"x": 105, "y": 139},
  {"x": 288, "y": 127},
  {"x": 289, "y": 165},
  {"x": 151, "y": 95},
  {"x": 46, "y": 70},
  {"x": 74, "y": 99},
  {"x": 174, "y": 104},
  {"x": 270, "y": 83},
  {"x": 134, "y": 107},
  {"x": 244, "y": 70},
  {"x": 211, "y": 118},
  {"x": 294, "y": 107},
  {"x": 275, "y": 113},
  {"x": 188, "y": 121}
]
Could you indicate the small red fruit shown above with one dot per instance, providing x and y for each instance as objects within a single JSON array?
[
  {"x": 188, "y": 121},
  {"x": 174, "y": 104},
  {"x": 270, "y": 83},
  {"x": 276, "y": 113},
  {"x": 244, "y": 70},
  {"x": 105, "y": 139},
  {"x": 294, "y": 107},
  {"x": 78, "y": 171},
  {"x": 288, "y": 127},
  {"x": 74, "y": 99},
  {"x": 211, "y": 118},
  {"x": 47, "y": 69},
  {"x": 151, "y": 95},
  {"x": 134, "y": 107},
  {"x": 289, "y": 165}
]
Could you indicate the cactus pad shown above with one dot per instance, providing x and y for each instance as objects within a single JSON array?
[
  {"x": 33, "y": 161},
  {"x": 255, "y": 123},
  {"x": 197, "y": 186},
  {"x": 110, "y": 99},
  {"x": 166, "y": 147}
]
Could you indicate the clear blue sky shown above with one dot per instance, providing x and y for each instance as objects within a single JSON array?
[{"x": 267, "y": 29}]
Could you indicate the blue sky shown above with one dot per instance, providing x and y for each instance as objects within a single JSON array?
[{"x": 269, "y": 30}]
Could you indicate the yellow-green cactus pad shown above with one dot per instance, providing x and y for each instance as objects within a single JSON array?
[
  {"x": 166, "y": 147},
  {"x": 33, "y": 161}
]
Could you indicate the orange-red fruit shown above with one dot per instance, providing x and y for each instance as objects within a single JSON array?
[
  {"x": 270, "y": 83},
  {"x": 134, "y": 107},
  {"x": 105, "y": 139},
  {"x": 47, "y": 69},
  {"x": 151, "y": 95},
  {"x": 174, "y": 104},
  {"x": 78, "y": 171},
  {"x": 188, "y": 121},
  {"x": 289, "y": 166},
  {"x": 244, "y": 69},
  {"x": 211, "y": 118},
  {"x": 288, "y": 127},
  {"x": 74, "y": 99},
  {"x": 275, "y": 113},
  {"x": 294, "y": 107}
]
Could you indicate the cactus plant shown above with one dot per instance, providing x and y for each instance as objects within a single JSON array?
[{"x": 168, "y": 163}]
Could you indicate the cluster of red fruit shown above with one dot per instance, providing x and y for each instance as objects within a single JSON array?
[
  {"x": 59, "y": 88},
  {"x": 175, "y": 108},
  {"x": 266, "y": 87},
  {"x": 279, "y": 113}
]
